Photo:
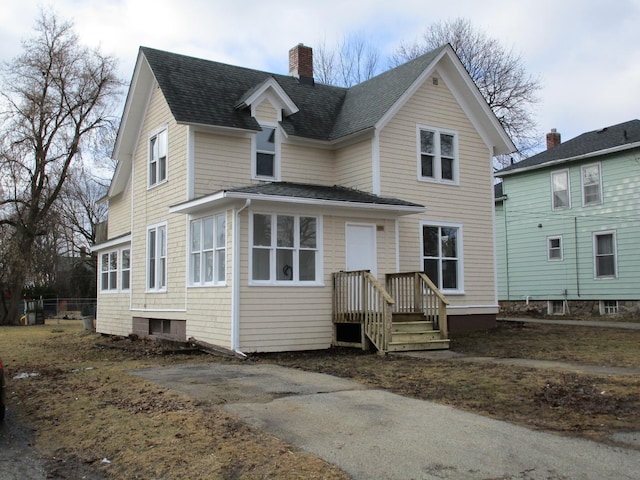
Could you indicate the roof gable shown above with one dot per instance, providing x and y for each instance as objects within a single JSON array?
[{"x": 620, "y": 137}]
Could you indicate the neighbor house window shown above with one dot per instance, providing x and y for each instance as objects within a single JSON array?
[
  {"x": 125, "y": 269},
  {"x": 285, "y": 249},
  {"x": 158, "y": 158},
  {"x": 604, "y": 252},
  {"x": 109, "y": 271},
  {"x": 608, "y": 307},
  {"x": 554, "y": 248},
  {"x": 438, "y": 155},
  {"x": 207, "y": 250},
  {"x": 591, "y": 184},
  {"x": 266, "y": 156},
  {"x": 442, "y": 255},
  {"x": 157, "y": 258},
  {"x": 560, "y": 189},
  {"x": 555, "y": 307}
]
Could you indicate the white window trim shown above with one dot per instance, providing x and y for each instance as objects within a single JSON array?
[
  {"x": 122, "y": 269},
  {"x": 615, "y": 255},
  {"x": 437, "y": 167},
  {"x": 276, "y": 159},
  {"x": 109, "y": 290},
  {"x": 318, "y": 282},
  {"x": 156, "y": 227},
  {"x": 568, "y": 207},
  {"x": 214, "y": 283},
  {"x": 153, "y": 134},
  {"x": 582, "y": 168},
  {"x": 603, "y": 308},
  {"x": 428, "y": 223},
  {"x": 550, "y": 307},
  {"x": 555, "y": 237}
]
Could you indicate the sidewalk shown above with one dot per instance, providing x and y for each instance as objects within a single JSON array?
[{"x": 577, "y": 323}]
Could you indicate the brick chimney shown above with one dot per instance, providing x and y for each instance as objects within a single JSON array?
[
  {"x": 301, "y": 63},
  {"x": 553, "y": 139}
]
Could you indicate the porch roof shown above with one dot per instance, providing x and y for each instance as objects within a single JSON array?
[{"x": 335, "y": 196}]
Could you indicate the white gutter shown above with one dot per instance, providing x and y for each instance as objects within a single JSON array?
[
  {"x": 584, "y": 156},
  {"x": 235, "y": 288}
]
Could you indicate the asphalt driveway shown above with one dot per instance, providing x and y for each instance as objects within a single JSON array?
[{"x": 376, "y": 434}]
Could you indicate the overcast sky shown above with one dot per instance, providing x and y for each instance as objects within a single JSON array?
[{"x": 586, "y": 52}]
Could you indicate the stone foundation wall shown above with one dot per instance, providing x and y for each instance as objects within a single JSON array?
[{"x": 586, "y": 309}]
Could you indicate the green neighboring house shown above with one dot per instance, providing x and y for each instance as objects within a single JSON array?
[{"x": 568, "y": 226}]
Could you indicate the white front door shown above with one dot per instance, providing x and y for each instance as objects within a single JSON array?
[{"x": 361, "y": 247}]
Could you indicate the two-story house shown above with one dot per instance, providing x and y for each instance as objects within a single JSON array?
[
  {"x": 240, "y": 194},
  {"x": 568, "y": 226}
]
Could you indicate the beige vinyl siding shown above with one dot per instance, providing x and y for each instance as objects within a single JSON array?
[
  {"x": 266, "y": 112},
  {"x": 470, "y": 203},
  {"x": 209, "y": 315},
  {"x": 120, "y": 213},
  {"x": 281, "y": 318},
  {"x": 151, "y": 206},
  {"x": 113, "y": 315},
  {"x": 221, "y": 162},
  {"x": 354, "y": 166},
  {"x": 305, "y": 164}
]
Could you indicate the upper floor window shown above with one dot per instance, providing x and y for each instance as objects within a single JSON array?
[
  {"x": 560, "y": 190},
  {"x": 604, "y": 252},
  {"x": 442, "y": 255},
  {"x": 266, "y": 153},
  {"x": 438, "y": 159},
  {"x": 157, "y": 258},
  {"x": 554, "y": 251},
  {"x": 285, "y": 249},
  {"x": 208, "y": 250},
  {"x": 158, "y": 158},
  {"x": 591, "y": 184}
]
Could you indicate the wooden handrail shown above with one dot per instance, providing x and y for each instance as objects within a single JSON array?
[
  {"x": 433, "y": 287},
  {"x": 358, "y": 297}
]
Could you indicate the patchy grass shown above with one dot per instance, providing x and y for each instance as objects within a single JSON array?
[{"x": 83, "y": 405}]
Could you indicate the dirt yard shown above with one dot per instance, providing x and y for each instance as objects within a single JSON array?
[{"x": 89, "y": 415}]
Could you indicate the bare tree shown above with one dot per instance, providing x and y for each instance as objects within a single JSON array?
[
  {"x": 56, "y": 96},
  {"x": 354, "y": 60},
  {"x": 498, "y": 72}
]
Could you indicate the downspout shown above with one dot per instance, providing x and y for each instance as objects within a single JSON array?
[
  {"x": 575, "y": 242},
  {"x": 235, "y": 289}
]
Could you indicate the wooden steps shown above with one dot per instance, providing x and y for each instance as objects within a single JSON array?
[{"x": 411, "y": 331}]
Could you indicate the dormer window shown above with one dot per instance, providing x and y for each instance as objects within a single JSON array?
[{"x": 266, "y": 154}]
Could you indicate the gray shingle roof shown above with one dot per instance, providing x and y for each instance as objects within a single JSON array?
[
  {"x": 334, "y": 193},
  {"x": 206, "y": 92},
  {"x": 587, "y": 143}
]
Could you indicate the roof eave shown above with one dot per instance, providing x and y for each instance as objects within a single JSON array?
[
  {"x": 560, "y": 161},
  {"x": 219, "y": 198}
]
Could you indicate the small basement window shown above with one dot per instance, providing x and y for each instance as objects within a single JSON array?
[
  {"x": 159, "y": 327},
  {"x": 556, "y": 307},
  {"x": 608, "y": 307}
]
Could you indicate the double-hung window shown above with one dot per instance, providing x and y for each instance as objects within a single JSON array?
[
  {"x": 208, "y": 250},
  {"x": 438, "y": 155},
  {"x": 157, "y": 258},
  {"x": 591, "y": 184},
  {"x": 560, "y": 190},
  {"x": 285, "y": 249},
  {"x": 125, "y": 269},
  {"x": 158, "y": 158},
  {"x": 554, "y": 248},
  {"x": 442, "y": 255},
  {"x": 266, "y": 153},
  {"x": 604, "y": 252},
  {"x": 109, "y": 271}
]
